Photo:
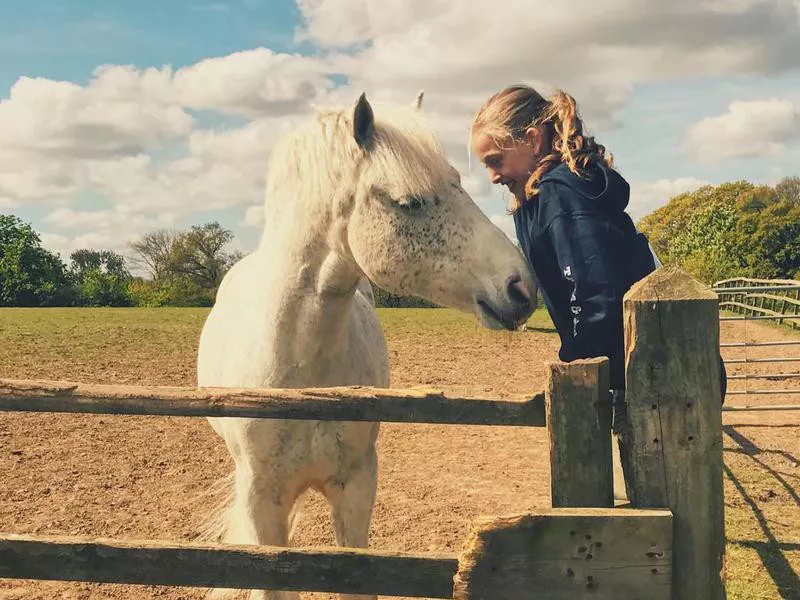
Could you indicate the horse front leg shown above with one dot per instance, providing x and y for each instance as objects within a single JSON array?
[
  {"x": 351, "y": 503},
  {"x": 260, "y": 515}
]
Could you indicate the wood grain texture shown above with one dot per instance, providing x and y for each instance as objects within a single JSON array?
[
  {"x": 568, "y": 554},
  {"x": 352, "y": 571},
  {"x": 579, "y": 423},
  {"x": 673, "y": 437},
  {"x": 354, "y": 403}
]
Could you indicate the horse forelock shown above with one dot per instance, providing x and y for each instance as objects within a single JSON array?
[{"x": 316, "y": 156}]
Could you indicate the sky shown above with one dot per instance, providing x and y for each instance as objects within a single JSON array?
[{"x": 119, "y": 117}]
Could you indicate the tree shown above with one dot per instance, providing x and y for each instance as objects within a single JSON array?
[
  {"x": 101, "y": 278},
  {"x": 29, "y": 274},
  {"x": 106, "y": 261},
  {"x": 186, "y": 267},
  {"x": 153, "y": 252},
  {"x": 199, "y": 254},
  {"x": 734, "y": 229},
  {"x": 788, "y": 188}
]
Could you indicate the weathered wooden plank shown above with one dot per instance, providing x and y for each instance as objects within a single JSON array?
[
  {"x": 352, "y": 403},
  {"x": 238, "y": 567},
  {"x": 673, "y": 438},
  {"x": 756, "y": 309},
  {"x": 761, "y": 282},
  {"x": 775, "y": 298},
  {"x": 579, "y": 423},
  {"x": 568, "y": 554}
]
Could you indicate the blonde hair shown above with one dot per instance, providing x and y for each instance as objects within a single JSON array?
[{"x": 508, "y": 114}]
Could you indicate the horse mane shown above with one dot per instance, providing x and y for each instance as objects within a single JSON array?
[{"x": 312, "y": 161}]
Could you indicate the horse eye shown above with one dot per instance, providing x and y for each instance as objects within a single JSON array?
[{"x": 415, "y": 203}]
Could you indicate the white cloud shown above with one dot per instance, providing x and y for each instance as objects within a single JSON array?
[
  {"x": 751, "y": 128},
  {"x": 647, "y": 196},
  {"x": 254, "y": 216},
  {"x": 120, "y": 112},
  {"x": 65, "y": 245},
  {"x": 253, "y": 83},
  {"x": 336, "y": 23},
  {"x": 68, "y": 230},
  {"x": 57, "y": 243},
  {"x": 68, "y": 218},
  {"x": 60, "y": 139},
  {"x": 597, "y": 51}
]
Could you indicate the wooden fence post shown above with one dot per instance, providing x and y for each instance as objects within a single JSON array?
[
  {"x": 672, "y": 440},
  {"x": 579, "y": 424}
]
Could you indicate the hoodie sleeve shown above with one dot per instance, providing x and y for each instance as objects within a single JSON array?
[{"x": 581, "y": 243}]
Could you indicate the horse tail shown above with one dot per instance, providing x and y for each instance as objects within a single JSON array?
[
  {"x": 295, "y": 515},
  {"x": 216, "y": 526}
]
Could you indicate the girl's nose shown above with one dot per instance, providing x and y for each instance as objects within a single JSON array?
[{"x": 495, "y": 176}]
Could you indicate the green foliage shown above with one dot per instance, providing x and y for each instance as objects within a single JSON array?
[
  {"x": 29, "y": 274},
  {"x": 177, "y": 291},
  {"x": 788, "y": 188},
  {"x": 98, "y": 288},
  {"x": 199, "y": 255},
  {"x": 186, "y": 267},
  {"x": 100, "y": 278},
  {"x": 734, "y": 229}
]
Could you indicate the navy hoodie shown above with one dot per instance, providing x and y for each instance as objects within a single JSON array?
[{"x": 586, "y": 253}]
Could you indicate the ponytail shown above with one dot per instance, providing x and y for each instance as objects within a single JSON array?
[{"x": 564, "y": 127}]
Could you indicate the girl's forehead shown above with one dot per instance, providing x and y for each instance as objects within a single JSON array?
[{"x": 484, "y": 144}]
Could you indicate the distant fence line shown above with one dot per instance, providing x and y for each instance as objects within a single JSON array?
[
  {"x": 773, "y": 299},
  {"x": 752, "y": 299}
]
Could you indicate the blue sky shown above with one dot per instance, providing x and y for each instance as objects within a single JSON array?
[
  {"x": 67, "y": 40},
  {"x": 178, "y": 131}
]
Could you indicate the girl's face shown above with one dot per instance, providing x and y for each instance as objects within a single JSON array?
[{"x": 510, "y": 165}]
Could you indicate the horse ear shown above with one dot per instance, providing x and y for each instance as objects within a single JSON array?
[
  {"x": 418, "y": 100},
  {"x": 363, "y": 122}
]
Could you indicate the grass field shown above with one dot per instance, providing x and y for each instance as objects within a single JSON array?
[{"x": 134, "y": 476}]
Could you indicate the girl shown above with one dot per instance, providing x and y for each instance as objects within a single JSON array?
[{"x": 569, "y": 213}]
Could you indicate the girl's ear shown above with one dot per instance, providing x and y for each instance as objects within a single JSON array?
[{"x": 535, "y": 138}]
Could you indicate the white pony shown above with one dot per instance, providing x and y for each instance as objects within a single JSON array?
[{"x": 349, "y": 196}]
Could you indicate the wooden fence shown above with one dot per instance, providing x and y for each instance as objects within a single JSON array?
[
  {"x": 668, "y": 544},
  {"x": 773, "y": 299}
]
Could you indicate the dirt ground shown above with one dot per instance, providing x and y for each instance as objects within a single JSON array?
[{"x": 146, "y": 477}]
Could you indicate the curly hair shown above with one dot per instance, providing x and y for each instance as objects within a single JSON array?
[{"x": 508, "y": 114}]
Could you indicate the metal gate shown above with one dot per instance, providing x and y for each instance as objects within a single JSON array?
[{"x": 761, "y": 367}]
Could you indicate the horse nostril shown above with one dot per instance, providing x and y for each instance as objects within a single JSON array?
[{"x": 518, "y": 292}]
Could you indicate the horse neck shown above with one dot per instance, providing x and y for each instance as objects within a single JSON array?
[{"x": 313, "y": 283}]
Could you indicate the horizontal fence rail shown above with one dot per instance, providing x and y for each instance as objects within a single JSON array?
[
  {"x": 756, "y": 288},
  {"x": 630, "y": 549},
  {"x": 761, "y": 300},
  {"x": 353, "y": 403},
  {"x": 761, "y": 317},
  {"x": 762, "y": 407},
  {"x": 770, "y": 376},
  {"x": 757, "y": 344},
  {"x": 735, "y": 361},
  {"x": 351, "y": 571},
  {"x": 747, "y": 296}
]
